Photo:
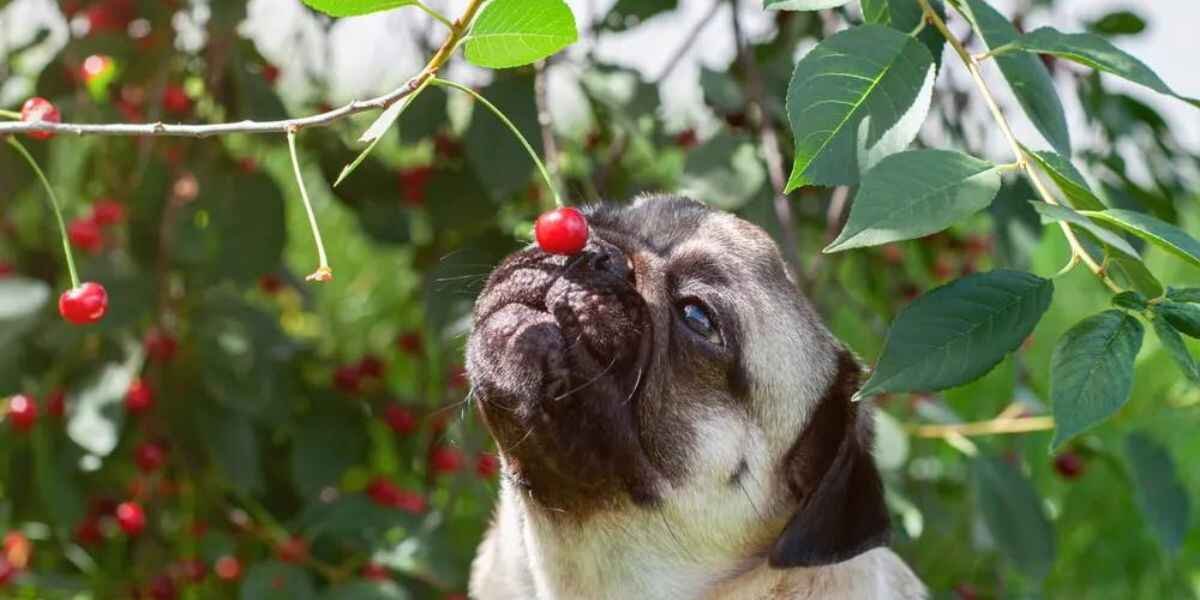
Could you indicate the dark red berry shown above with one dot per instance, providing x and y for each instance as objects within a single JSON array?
[
  {"x": 86, "y": 235},
  {"x": 270, "y": 72},
  {"x": 444, "y": 459},
  {"x": 40, "y": 109},
  {"x": 371, "y": 367},
  {"x": 247, "y": 165},
  {"x": 1069, "y": 465},
  {"x": 22, "y": 412},
  {"x": 130, "y": 518},
  {"x": 87, "y": 533},
  {"x": 413, "y": 182},
  {"x": 175, "y": 100},
  {"x": 347, "y": 379},
  {"x": 193, "y": 570},
  {"x": 270, "y": 283},
  {"x": 5, "y": 269},
  {"x": 160, "y": 345},
  {"x": 150, "y": 456},
  {"x": 686, "y": 139},
  {"x": 446, "y": 147},
  {"x": 383, "y": 492},
  {"x": 410, "y": 502},
  {"x": 487, "y": 465},
  {"x": 965, "y": 591},
  {"x": 892, "y": 254},
  {"x": 400, "y": 419},
  {"x": 7, "y": 572},
  {"x": 162, "y": 588},
  {"x": 106, "y": 211},
  {"x": 561, "y": 231},
  {"x": 139, "y": 398},
  {"x": 374, "y": 571},
  {"x": 292, "y": 550},
  {"x": 410, "y": 343},
  {"x": 228, "y": 568},
  {"x": 56, "y": 404},
  {"x": 84, "y": 304}
]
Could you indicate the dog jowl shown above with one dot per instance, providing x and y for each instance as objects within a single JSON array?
[{"x": 674, "y": 421}]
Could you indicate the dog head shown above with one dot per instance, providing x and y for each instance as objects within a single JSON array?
[{"x": 673, "y": 371}]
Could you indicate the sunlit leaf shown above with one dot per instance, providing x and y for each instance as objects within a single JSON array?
[
  {"x": 511, "y": 33},
  {"x": 349, "y": 8},
  {"x": 1158, "y": 232},
  {"x": 1064, "y": 214}
]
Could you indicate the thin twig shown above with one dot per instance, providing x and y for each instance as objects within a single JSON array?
[
  {"x": 1019, "y": 152},
  {"x": 990, "y": 427},
  {"x": 546, "y": 122},
  {"x": 688, "y": 41},
  {"x": 769, "y": 141}
]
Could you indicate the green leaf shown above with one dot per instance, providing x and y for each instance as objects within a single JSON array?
[
  {"x": 350, "y": 8},
  {"x": 725, "y": 171},
  {"x": 325, "y": 445},
  {"x": 1091, "y": 371},
  {"x": 1183, "y": 317},
  {"x": 1130, "y": 301},
  {"x": 511, "y": 33},
  {"x": 491, "y": 149},
  {"x": 235, "y": 450},
  {"x": 1121, "y": 22},
  {"x": 860, "y": 95},
  {"x": 1159, "y": 493},
  {"x": 1066, "y": 215},
  {"x": 366, "y": 590},
  {"x": 1133, "y": 273},
  {"x": 1184, "y": 294},
  {"x": 802, "y": 4},
  {"x": 274, "y": 580},
  {"x": 1098, "y": 53},
  {"x": 959, "y": 331},
  {"x": 904, "y": 16},
  {"x": 1173, "y": 342},
  {"x": 1160, "y": 233},
  {"x": 1068, "y": 179},
  {"x": 1026, "y": 75},
  {"x": 1015, "y": 516},
  {"x": 916, "y": 193}
]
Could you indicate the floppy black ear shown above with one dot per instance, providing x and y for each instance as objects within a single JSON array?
[{"x": 832, "y": 473}]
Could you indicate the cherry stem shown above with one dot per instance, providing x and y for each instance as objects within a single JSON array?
[
  {"x": 8, "y": 114},
  {"x": 62, "y": 226},
  {"x": 500, "y": 115},
  {"x": 435, "y": 14},
  {"x": 323, "y": 272}
]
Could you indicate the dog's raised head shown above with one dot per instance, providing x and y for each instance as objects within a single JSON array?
[{"x": 669, "y": 386}]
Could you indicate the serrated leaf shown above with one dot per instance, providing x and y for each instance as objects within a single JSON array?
[
  {"x": 1026, "y": 75},
  {"x": 1062, "y": 213},
  {"x": 1015, "y": 516},
  {"x": 1091, "y": 371},
  {"x": 1130, "y": 300},
  {"x": 1183, "y": 317},
  {"x": 1160, "y": 233},
  {"x": 350, "y": 8},
  {"x": 1175, "y": 346},
  {"x": 511, "y": 33},
  {"x": 959, "y": 331},
  {"x": 1068, "y": 179},
  {"x": 1098, "y": 53},
  {"x": 904, "y": 16},
  {"x": 274, "y": 580},
  {"x": 847, "y": 97},
  {"x": 802, "y": 4},
  {"x": 1133, "y": 273},
  {"x": 1157, "y": 488},
  {"x": 916, "y": 193}
]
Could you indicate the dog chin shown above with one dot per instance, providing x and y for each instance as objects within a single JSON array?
[{"x": 556, "y": 358}]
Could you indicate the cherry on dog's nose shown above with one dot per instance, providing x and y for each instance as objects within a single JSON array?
[{"x": 604, "y": 257}]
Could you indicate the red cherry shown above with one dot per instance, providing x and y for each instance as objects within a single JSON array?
[
  {"x": 22, "y": 412},
  {"x": 175, "y": 100},
  {"x": 106, "y": 211},
  {"x": 160, "y": 345},
  {"x": 139, "y": 398},
  {"x": 270, "y": 284},
  {"x": 228, "y": 568},
  {"x": 17, "y": 549},
  {"x": 410, "y": 343},
  {"x": 487, "y": 465},
  {"x": 7, "y": 572},
  {"x": 383, "y": 492},
  {"x": 5, "y": 269},
  {"x": 56, "y": 404},
  {"x": 410, "y": 502},
  {"x": 1069, "y": 465},
  {"x": 247, "y": 165},
  {"x": 95, "y": 66},
  {"x": 445, "y": 460},
  {"x": 413, "y": 182},
  {"x": 131, "y": 518},
  {"x": 162, "y": 588},
  {"x": 150, "y": 456},
  {"x": 371, "y": 367},
  {"x": 85, "y": 234},
  {"x": 87, "y": 533},
  {"x": 193, "y": 570},
  {"x": 270, "y": 72},
  {"x": 400, "y": 419},
  {"x": 347, "y": 379},
  {"x": 561, "y": 231},
  {"x": 292, "y": 550},
  {"x": 965, "y": 591},
  {"x": 40, "y": 109},
  {"x": 84, "y": 304},
  {"x": 374, "y": 571},
  {"x": 686, "y": 139}
]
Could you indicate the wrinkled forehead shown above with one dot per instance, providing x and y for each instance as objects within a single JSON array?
[{"x": 695, "y": 237}]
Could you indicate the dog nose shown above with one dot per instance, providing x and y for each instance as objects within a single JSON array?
[{"x": 604, "y": 257}]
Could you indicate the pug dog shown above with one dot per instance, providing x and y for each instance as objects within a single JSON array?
[{"x": 674, "y": 422}]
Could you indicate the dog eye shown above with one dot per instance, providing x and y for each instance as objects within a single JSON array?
[{"x": 697, "y": 318}]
